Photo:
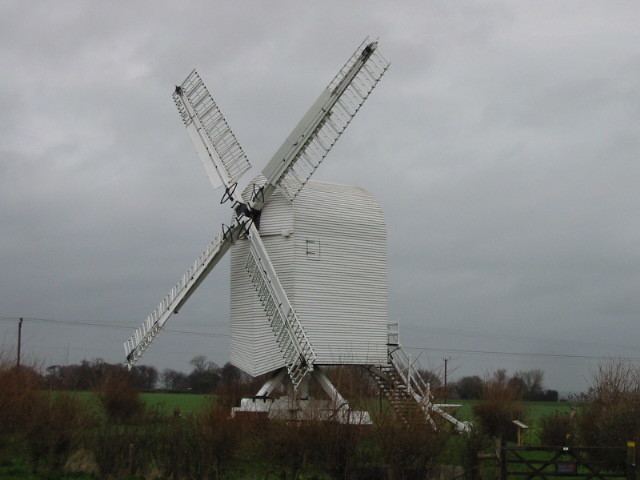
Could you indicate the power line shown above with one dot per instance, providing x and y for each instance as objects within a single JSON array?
[
  {"x": 104, "y": 350},
  {"x": 120, "y": 326},
  {"x": 469, "y": 333},
  {"x": 523, "y": 354}
]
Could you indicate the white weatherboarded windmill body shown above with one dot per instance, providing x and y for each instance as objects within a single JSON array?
[
  {"x": 328, "y": 247},
  {"x": 308, "y": 260}
]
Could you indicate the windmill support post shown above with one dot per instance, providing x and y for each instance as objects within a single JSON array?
[
  {"x": 338, "y": 401},
  {"x": 298, "y": 405},
  {"x": 274, "y": 382}
]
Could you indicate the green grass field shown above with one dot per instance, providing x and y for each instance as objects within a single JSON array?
[
  {"x": 184, "y": 402},
  {"x": 534, "y": 411},
  {"x": 168, "y": 403}
]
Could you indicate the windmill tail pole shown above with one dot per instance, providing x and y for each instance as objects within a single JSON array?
[{"x": 460, "y": 426}]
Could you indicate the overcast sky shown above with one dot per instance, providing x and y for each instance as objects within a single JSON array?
[{"x": 502, "y": 145}]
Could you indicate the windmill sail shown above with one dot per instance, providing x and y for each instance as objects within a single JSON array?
[
  {"x": 217, "y": 146},
  {"x": 312, "y": 139},
  {"x": 136, "y": 345},
  {"x": 290, "y": 336}
]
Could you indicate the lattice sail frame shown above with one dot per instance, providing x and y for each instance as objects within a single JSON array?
[
  {"x": 200, "y": 112},
  {"x": 290, "y": 336},
  {"x": 345, "y": 95},
  {"x": 137, "y": 344}
]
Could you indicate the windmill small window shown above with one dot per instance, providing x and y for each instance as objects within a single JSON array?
[{"x": 313, "y": 249}]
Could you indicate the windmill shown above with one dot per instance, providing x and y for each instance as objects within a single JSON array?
[{"x": 308, "y": 266}]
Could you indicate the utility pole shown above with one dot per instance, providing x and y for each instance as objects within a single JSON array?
[
  {"x": 19, "y": 341},
  {"x": 446, "y": 360}
]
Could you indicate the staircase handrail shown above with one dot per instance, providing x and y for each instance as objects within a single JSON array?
[
  {"x": 420, "y": 390},
  {"x": 411, "y": 377}
]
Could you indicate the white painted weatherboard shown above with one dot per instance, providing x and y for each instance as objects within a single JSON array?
[{"x": 329, "y": 249}]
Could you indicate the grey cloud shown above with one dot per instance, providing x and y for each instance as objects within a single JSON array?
[{"x": 502, "y": 145}]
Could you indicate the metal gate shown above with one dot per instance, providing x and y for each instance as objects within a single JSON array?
[{"x": 598, "y": 463}]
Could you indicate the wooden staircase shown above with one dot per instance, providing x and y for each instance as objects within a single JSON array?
[
  {"x": 393, "y": 387},
  {"x": 405, "y": 389}
]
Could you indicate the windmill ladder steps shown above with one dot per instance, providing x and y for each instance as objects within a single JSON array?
[{"x": 393, "y": 387}]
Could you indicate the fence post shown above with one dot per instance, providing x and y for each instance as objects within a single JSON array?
[
  {"x": 131, "y": 465},
  {"x": 502, "y": 451},
  {"x": 631, "y": 460}
]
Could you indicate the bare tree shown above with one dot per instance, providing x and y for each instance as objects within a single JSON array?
[
  {"x": 533, "y": 383},
  {"x": 174, "y": 380},
  {"x": 469, "y": 387}
]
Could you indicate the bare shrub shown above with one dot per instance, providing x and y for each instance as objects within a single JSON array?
[
  {"x": 557, "y": 430},
  {"x": 122, "y": 450},
  {"x": 55, "y": 429},
  {"x": 82, "y": 461},
  {"x": 611, "y": 415},
  {"x": 203, "y": 446},
  {"x": 409, "y": 451},
  {"x": 470, "y": 447},
  {"x": 120, "y": 400},
  {"x": 339, "y": 447},
  {"x": 288, "y": 448},
  {"x": 499, "y": 406},
  {"x": 613, "y": 382},
  {"x": 175, "y": 448},
  {"x": 220, "y": 437},
  {"x": 19, "y": 397}
]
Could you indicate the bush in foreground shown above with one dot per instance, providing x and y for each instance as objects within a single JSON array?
[
  {"x": 499, "y": 406},
  {"x": 55, "y": 430},
  {"x": 120, "y": 400},
  {"x": 409, "y": 451},
  {"x": 611, "y": 415},
  {"x": 19, "y": 397},
  {"x": 558, "y": 430}
]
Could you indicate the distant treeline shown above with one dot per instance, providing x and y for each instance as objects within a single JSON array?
[
  {"x": 204, "y": 377},
  {"x": 207, "y": 377},
  {"x": 528, "y": 385}
]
